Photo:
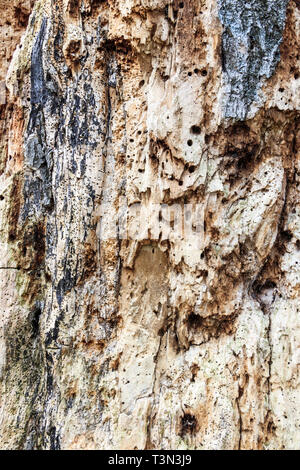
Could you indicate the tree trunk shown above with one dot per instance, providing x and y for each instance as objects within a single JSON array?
[{"x": 150, "y": 224}]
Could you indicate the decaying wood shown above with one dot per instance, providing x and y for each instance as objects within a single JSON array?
[{"x": 151, "y": 336}]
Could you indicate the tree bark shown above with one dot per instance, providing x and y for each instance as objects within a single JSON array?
[{"x": 150, "y": 224}]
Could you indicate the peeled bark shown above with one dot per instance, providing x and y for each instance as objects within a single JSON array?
[{"x": 150, "y": 224}]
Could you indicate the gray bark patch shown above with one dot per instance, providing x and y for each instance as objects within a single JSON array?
[
  {"x": 252, "y": 33},
  {"x": 37, "y": 71}
]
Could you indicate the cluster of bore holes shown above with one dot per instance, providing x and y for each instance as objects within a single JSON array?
[
  {"x": 190, "y": 169},
  {"x": 203, "y": 72},
  {"x": 281, "y": 90},
  {"x": 196, "y": 131}
]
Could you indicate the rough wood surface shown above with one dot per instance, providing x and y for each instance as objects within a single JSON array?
[{"x": 178, "y": 328}]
